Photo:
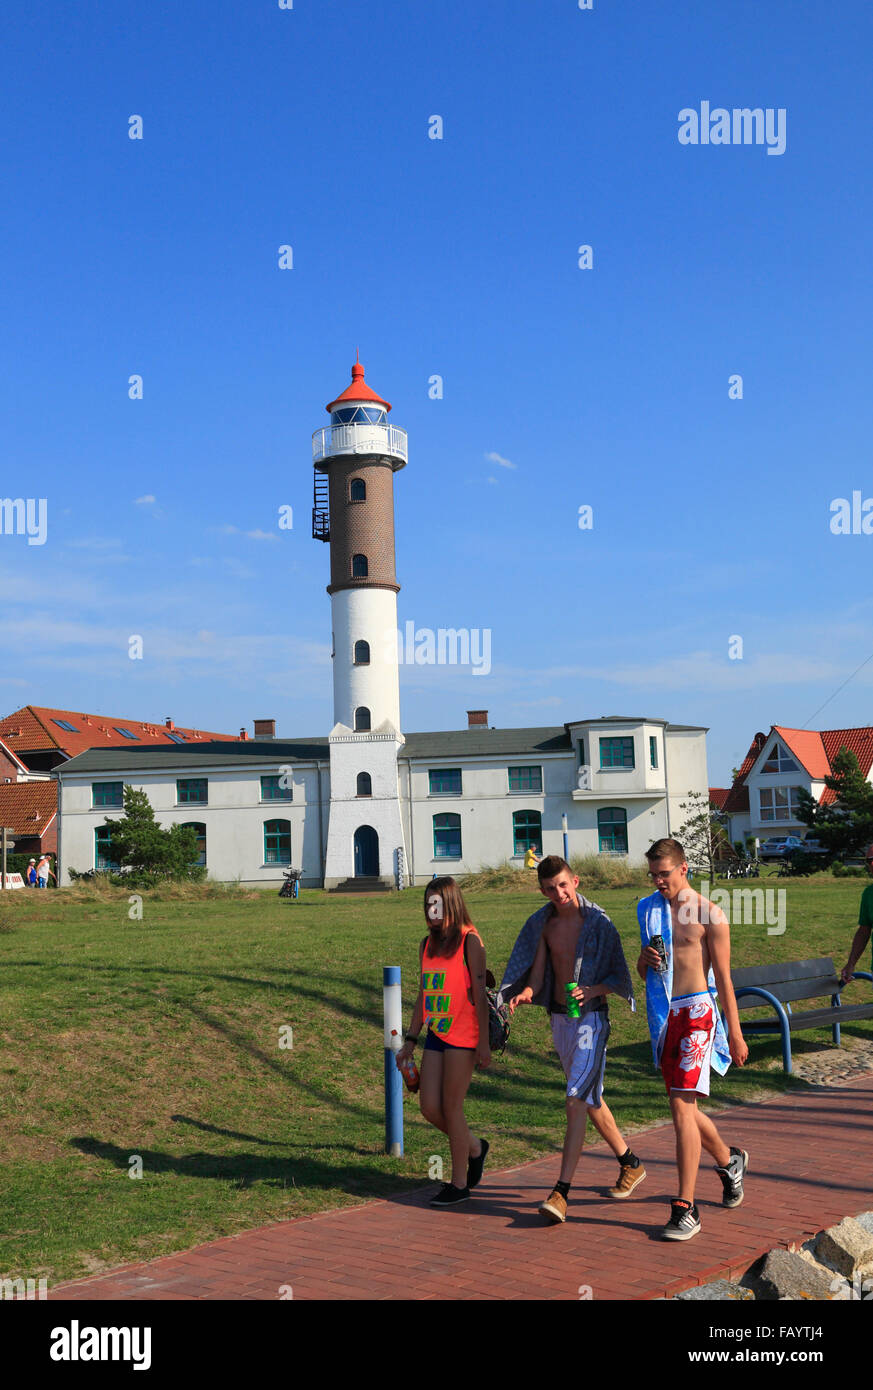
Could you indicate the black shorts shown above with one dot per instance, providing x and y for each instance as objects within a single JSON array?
[{"x": 434, "y": 1044}]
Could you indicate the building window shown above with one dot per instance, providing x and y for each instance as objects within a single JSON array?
[
  {"x": 525, "y": 779},
  {"x": 447, "y": 836},
  {"x": 65, "y": 724},
  {"x": 362, "y": 720},
  {"x": 653, "y": 751},
  {"x": 125, "y": 733},
  {"x": 103, "y": 861},
  {"x": 779, "y": 803},
  {"x": 357, "y": 490},
  {"x": 779, "y": 761},
  {"x": 365, "y": 784},
  {"x": 107, "y": 793},
  {"x": 191, "y": 789},
  {"x": 277, "y": 842},
  {"x": 612, "y": 830},
  {"x": 360, "y": 568},
  {"x": 445, "y": 781},
  {"x": 616, "y": 752},
  {"x": 272, "y": 789},
  {"x": 527, "y": 831},
  {"x": 362, "y": 653},
  {"x": 200, "y": 830},
  {"x": 175, "y": 738}
]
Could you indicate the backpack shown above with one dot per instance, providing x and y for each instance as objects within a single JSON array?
[{"x": 498, "y": 1014}]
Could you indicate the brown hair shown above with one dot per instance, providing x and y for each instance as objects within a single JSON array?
[
  {"x": 666, "y": 849},
  {"x": 551, "y": 866},
  {"x": 445, "y": 938}
]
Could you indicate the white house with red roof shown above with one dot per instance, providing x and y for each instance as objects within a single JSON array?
[{"x": 763, "y": 800}]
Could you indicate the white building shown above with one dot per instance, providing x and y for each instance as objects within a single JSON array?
[{"x": 367, "y": 803}]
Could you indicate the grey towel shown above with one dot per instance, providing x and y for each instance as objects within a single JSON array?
[{"x": 599, "y": 957}]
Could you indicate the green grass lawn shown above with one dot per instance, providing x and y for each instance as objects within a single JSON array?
[{"x": 160, "y": 1038}]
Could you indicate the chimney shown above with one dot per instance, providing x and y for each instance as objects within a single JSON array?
[
  {"x": 477, "y": 718},
  {"x": 169, "y": 723},
  {"x": 265, "y": 728},
  {"x": 243, "y": 735}
]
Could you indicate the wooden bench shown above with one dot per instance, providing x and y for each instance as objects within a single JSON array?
[{"x": 788, "y": 983}]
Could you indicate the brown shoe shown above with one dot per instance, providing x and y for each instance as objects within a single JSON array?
[
  {"x": 555, "y": 1207},
  {"x": 628, "y": 1179}
]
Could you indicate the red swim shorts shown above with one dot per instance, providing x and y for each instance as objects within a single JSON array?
[{"x": 688, "y": 1043}]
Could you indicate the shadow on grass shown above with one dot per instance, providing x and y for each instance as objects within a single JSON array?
[{"x": 243, "y": 1170}]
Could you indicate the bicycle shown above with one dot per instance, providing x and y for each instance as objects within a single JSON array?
[{"x": 291, "y": 887}]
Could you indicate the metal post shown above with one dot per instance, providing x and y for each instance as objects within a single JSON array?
[
  {"x": 392, "y": 1004},
  {"x": 566, "y": 837},
  {"x": 3, "y": 869}
]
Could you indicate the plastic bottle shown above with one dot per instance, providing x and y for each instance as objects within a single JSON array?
[{"x": 408, "y": 1069}]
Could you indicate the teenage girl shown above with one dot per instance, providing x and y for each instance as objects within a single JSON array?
[{"x": 453, "y": 1004}]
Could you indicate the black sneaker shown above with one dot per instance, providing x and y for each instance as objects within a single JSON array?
[
  {"x": 684, "y": 1221},
  {"x": 475, "y": 1166},
  {"x": 732, "y": 1178},
  {"x": 449, "y": 1196}
]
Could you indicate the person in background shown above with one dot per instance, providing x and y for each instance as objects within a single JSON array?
[
  {"x": 865, "y": 923},
  {"x": 31, "y": 873},
  {"x": 44, "y": 872},
  {"x": 531, "y": 858}
]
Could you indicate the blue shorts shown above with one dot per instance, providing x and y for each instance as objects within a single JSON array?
[{"x": 434, "y": 1044}]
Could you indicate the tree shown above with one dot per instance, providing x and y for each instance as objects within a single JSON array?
[
  {"x": 844, "y": 825},
  {"x": 144, "y": 850},
  {"x": 702, "y": 834}
]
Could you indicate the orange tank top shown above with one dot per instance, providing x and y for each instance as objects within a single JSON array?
[{"x": 447, "y": 993}]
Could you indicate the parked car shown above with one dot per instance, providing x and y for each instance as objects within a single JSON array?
[
  {"x": 778, "y": 846},
  {"x": 811, "y": 846}
]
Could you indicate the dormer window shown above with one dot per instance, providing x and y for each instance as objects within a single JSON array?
[{"x": 779, "y": 761}]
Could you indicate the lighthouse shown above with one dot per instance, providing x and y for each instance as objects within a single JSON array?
[{"x": 355, "y": 458}]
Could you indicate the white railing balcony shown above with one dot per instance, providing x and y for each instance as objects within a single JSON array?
[{"x": 386, "y": 441}]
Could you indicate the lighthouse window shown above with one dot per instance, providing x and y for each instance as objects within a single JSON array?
[
  {"x": 362, "y": 720},
  {"x": 360, "y": 568},
  {"x": 357, "y": 490},
  {"x": 362, "y": 653},
  {"x": 358, "y": 415},
  {"x": 365, "y": 784}
]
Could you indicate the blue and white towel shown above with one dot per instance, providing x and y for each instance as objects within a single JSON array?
[{"x": 654, "y": 918}]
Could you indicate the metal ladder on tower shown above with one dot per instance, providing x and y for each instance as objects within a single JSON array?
[{"x": 320, "y": 507}]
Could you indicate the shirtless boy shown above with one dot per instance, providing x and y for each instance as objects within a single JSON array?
[
  {"x": 572, "y": 941},
  {"x": 685, "y": 1026}
]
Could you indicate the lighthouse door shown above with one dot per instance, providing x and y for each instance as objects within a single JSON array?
[{"x": 366, "y": 852}]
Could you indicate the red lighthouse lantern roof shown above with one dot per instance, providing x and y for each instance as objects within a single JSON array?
[{"x": 358, "y": 392}]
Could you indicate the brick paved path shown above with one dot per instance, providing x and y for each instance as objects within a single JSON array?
[{"x": 810, "y": 1165}]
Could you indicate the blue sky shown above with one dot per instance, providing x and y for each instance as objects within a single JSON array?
[{"x": 457, "y": 257}]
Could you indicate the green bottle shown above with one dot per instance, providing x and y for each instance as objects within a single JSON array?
[{"x": 573, "y": 1010}]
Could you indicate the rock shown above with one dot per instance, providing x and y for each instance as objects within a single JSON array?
[
  {"x": 866, "y": 1220},
  {"x": 847, "y": 1248},
  {"x": 784, "y": 1274},
  {"x": 718, "y": 1290}
]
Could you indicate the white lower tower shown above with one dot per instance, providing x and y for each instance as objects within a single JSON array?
[{"x": 355, "y": 460}]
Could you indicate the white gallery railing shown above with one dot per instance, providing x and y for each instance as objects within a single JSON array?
[{"x": 386, "y": 440}]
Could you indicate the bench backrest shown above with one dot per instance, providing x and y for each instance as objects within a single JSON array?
[{"x": 787, "y": 980}]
